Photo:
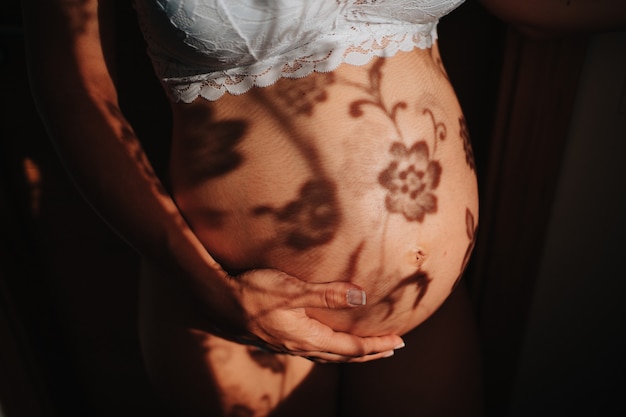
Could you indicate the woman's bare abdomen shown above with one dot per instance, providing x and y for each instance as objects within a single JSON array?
[{"x": 363, "y": 175}]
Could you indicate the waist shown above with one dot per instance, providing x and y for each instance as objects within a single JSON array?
[{"x": 360, "y": 175}]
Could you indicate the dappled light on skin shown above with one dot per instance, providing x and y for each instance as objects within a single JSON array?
[
  {"x": 258, "y": 175},
  {"x": 419, "y": 281},
  {"x": 471, "y": 229},
  {"x": 212, "y": 145},
  {"x": 269, "y": 380},
  {"x": 302, "y": 98},
  {"x": 467, "y": 144},
  {"x": 135, "y": 149},
  {"x": 309, "y": 221},
  {"x": 411, "y": 179}
]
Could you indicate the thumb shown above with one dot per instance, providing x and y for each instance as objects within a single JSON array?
[{"x": 334, "y": 295}]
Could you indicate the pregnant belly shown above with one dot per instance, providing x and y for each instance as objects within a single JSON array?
[{"x": 354, "y": 189}]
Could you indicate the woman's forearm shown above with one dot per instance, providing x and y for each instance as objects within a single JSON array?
[{"x": 77, "y": 100}]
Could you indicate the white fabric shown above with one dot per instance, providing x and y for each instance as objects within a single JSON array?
[{"x": 210, "y": 47}]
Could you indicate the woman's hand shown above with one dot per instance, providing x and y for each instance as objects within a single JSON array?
[
  {"x": 275, "y": 303},
  {"x": 262, "y": 307},
  {"x": 266, "y": 308}
]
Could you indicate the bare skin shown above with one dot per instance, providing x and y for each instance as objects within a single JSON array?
[{"x": 363, "y": 175}]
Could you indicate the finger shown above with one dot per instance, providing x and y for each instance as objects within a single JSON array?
[
  {"x": 337, "y": 347},
  {"x": 344, "y": 348},
  {"x": 334, "y": 295},
  {"x": 325, "y": 357},
  {"x": 321, "y": 338},
  {"x": 348, "y": 345},
  {"x": 369, "y": 358}
]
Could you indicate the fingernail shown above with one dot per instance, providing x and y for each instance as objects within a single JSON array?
[
  {"x": 389, "y": 354},
  {"x": 356, "y": 297},
  {"x": 400, "y": 346}
]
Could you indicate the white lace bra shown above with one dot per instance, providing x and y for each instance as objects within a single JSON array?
[{"x": 209, "y": 47}]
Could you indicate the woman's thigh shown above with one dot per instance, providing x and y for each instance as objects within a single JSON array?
[
  {"x": 204, "y": 375},
  {"x": 436, "y": 374}
]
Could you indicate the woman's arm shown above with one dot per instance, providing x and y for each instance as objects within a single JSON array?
[
  {"x": 558, "y": 17},
  {"x": 77, "y": 99}
]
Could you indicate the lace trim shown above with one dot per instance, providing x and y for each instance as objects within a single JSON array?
[{"x": 237, "y": 81}]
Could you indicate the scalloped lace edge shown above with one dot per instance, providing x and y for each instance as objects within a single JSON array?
[{"x": 238, "y": 81}]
